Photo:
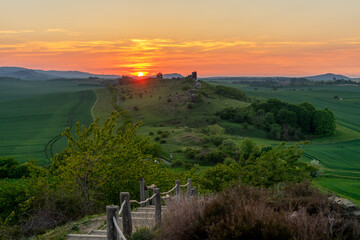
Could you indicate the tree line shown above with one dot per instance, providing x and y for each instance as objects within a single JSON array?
[{"x": 282, "y": 120}]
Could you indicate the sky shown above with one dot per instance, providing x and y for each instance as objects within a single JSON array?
[{"x": 216, "y": 38}]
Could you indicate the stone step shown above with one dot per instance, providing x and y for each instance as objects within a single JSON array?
[
  {"x": 86, "y": 237},
  {"x": 98, "y": 232}
]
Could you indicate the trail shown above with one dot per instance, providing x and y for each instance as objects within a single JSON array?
[{"x": 70, "y": 120}]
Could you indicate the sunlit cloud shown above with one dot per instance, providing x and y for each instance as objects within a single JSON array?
[
  {"x": 56, "y": 30},
  {"x": 15, "y": 32},
  {"x": 210, "y": 57}
]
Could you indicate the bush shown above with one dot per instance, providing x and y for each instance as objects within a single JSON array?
[
  {"x": 162, "y": 141},
  {"x": 188, "y": 166},
  {"x": 151, "y": 133},
  {"x": 177, "y": 163},
  {"x": 11, "y": 168},
  {"x": 217, "y": 139},
  {"x": 165, "y": 134},
  {"x": 142, "y": 234},
  {"x": 186, "y": 87},
  {"x": 157, "y": 138},
  {"x": 243, "y": 212}
]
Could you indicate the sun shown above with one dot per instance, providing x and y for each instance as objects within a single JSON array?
[{"x": 140, "y": 74}]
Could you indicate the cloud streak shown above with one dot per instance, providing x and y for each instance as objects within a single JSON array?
[{"x": 227, "y": 57}]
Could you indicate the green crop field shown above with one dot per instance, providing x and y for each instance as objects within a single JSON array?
[
  {"x": 33, "y": 115},
  {"x": 339, "y": 155}
]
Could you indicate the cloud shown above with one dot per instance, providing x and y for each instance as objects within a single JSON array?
[
  {"x": 56, "y": 30},
  {"x": 15, "y": 31},
  {"x": 213, "y": 56}
]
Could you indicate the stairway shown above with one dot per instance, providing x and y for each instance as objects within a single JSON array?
[{"x": 141, "y": 217}]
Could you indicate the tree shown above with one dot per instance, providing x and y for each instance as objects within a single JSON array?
[
  {"x": 324, "y": 123},
  {"x": 102, "y": 161}
]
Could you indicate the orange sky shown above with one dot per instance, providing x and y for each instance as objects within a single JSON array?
[{"x": 216, "y": 38}]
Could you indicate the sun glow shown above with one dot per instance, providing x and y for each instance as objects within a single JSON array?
[{"x": 140, "y": 74}]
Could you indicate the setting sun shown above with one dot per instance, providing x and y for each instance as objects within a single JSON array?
[{"x": 140, "y": 74}]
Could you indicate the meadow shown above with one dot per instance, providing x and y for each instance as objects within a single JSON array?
[
  {"x": 34, "y": 114},
  {"x": 339, "y": 154}
]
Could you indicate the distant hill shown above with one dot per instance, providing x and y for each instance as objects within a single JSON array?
[
  {"x": 172, "y": 75},
  {"x": 327, "y": 77},
  {"x": 41, "y": 75}
]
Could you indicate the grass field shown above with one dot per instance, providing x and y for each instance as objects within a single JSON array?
[
  {"x": 33, "y": 115},
  {"x": 340, "y": 154}
]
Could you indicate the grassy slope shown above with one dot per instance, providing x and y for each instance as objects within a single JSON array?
[
  {"x": 339, "y": 155},
  {"x": 32, "y": 113},
  {"x": 157, "y": 114}
]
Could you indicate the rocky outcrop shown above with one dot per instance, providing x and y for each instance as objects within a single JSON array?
[{"x": 349, "y": 208}]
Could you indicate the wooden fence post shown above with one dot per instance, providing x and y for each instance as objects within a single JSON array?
[
  {"x": 193, "y": 192},
  {"x": 157, "y": 206},
  {"x": 146, "y": 197},
  {"x": 142, "y": 191},
  {"x": 153, "y": 201},
  {"x": 188, "y": 188},
  {"x": 178, "y": 189},
  {"x": 126, "y": 213},
  {"x": 111, "y": 211}
]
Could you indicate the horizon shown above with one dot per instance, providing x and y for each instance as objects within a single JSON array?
[
  {"x": 185, "y": 74},
  {"x": 232, "y": 38}
]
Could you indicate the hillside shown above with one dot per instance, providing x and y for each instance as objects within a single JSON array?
[
  {"x": 327, "y": 77},
  {"x": 41, "y": 75},
  {"x": 173, "y": 112}
]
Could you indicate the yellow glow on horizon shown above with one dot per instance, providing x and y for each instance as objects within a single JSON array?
[{"x": 140, "y": 74}]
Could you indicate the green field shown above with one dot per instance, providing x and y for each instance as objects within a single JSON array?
[
  {"x": 339, "y": 155},
  {"x": 33, "y": 115}
]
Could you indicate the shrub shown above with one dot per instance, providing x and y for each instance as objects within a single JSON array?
[
  {"x": 142, "y": 234},
  {"x": 135, "y": 108},
  {"x": 157, "y": 138},
  {"x": 243, "y": 212},
  {"x": 177, "y": 163},
  {"x": 186, "y": 87},
  {"x": 165, "y": 134},
  {"x": 188, "y": 166},
  {"x": 151, "y": 133},
  {"x": 162, "y": 141}
]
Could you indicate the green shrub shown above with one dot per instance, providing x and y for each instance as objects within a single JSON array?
[
  {"x": 142, "y": 234},
  {"x": 188, "y": 166},
  {"x": 177, "y": 163}
]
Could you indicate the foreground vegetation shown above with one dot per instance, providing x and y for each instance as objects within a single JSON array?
[
  {"x": 103, "y": 160},
  {"x": 180, "y": 137},
  {"x": 295, "y": 211}
]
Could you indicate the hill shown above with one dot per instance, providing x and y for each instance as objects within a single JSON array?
[
  {"x": 42, "y": 75},
  {"x": 327, "y": 77},
  {"x": 172, "y": 75}
]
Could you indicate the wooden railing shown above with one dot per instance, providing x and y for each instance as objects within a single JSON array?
[{"x": 112, "y": 212}]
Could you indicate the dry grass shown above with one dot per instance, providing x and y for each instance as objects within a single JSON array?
[{"x": 243, "y": 212}]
